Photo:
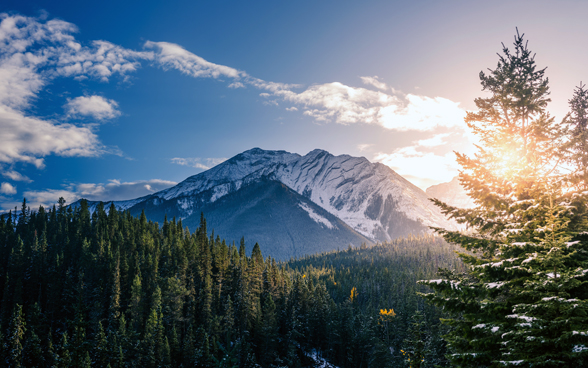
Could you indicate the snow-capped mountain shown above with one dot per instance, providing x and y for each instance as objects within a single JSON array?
[
  {"x": 369, "y": 197},
  {"x": 451, "y": 193}
]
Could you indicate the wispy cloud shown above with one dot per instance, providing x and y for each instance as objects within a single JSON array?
[
  {"x": 329, "y": 102},
  {"x": 197, "y": 162},
  {"x": 114, "y": 190},
  {"x": 15, "y": 175},
  {"x": 173, "y": 56},
  {"x": 97, "y": 107},
  {"x": 364, "y": 146},
  {"x": 117, "y": 190},
  {"x": 236, "y": 85},
  {"x": 374, "y": 81}
]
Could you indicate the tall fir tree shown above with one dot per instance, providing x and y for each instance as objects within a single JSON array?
[
  {"x": 15, "y": 339},
  {"x": 523, "y": 301},
  {"x": 577, "y": 146}
]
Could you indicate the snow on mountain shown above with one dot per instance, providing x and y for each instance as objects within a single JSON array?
[
  {"x": 369, "y": 197},
  {"x": 315, "y": 216}
]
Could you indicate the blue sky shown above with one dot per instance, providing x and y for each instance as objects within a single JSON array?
[{"x": 105, "y": 100}]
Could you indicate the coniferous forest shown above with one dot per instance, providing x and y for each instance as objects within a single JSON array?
[{"x": 106, "y": 289}]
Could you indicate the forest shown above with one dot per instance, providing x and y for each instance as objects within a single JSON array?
[{"x": 106, "y": 289}]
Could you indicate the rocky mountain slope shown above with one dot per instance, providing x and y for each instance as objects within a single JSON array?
[{"x": 373, "y": 201}]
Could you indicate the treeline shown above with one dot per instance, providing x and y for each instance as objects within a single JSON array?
[{"x": 105, "y": 289}]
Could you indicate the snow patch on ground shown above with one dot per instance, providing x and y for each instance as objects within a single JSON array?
[{"x": 319, "y": 361}]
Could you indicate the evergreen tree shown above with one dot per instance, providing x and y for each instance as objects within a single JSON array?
[
  {"x": 577, "y": 123},
  {"x": 15, "y": 338},
  {"x": 523, "y": 302},
  {"x": 415, "y": 345}
]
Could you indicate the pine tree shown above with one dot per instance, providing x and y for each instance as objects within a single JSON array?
[
  {"x": 15, "y": 338},
  {"x": 415, "y": 345},
  {"x": 63, "y": 356},
  {"x": 577, "y": 122},
  {"x": 523, "y": 301}
]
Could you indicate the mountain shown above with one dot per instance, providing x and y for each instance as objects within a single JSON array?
[
  {"x": 272, "y": 196},
  {"x": 265, "y": 211},
  {"x": 451, "y": 193}
]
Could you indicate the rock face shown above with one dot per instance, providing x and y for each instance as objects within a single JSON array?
[
  {"x": 345, "y": 198},
  {"x": 451, "y": 193}
]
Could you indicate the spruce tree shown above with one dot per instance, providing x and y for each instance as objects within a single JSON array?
[
  {"x": 523, "y": 301},
  {"x": 15, "y": 339},
  {"x": 577, "y": 146}
]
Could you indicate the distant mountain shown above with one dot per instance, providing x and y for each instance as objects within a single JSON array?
[
  {"x": 451, "y": 193},
  {"x": 286, "y": 202}
]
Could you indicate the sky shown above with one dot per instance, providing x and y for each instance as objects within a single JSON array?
[{"x": 114, "y": 100}]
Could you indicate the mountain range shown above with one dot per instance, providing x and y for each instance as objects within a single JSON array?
[{"x": 294, "y": 205}]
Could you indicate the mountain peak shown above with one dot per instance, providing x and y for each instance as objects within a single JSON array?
[
  {"x": 369, "y": 198},
  {"x": 317, "y": 152}
]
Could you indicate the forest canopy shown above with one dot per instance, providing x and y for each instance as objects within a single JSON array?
[{"x": 106, "y": 289}]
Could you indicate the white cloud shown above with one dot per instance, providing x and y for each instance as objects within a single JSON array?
[
  {"x": 334, "y": 101},
  {"x": 28, "y": 139},
  {"x": 293, "y": 108},
  {"x": 117, "y": 191},
  {"x": 340, "y": 103},
  {"x": 15, "y": 175},
  {"x": 373, "y": 81},
  {"x": 112, "y": 191},
  {"x": 437, "y": 140},
  {"x": 97, "y": 107},
  {"x": 101, "y": 61},
  {"x": 350, "y": 105},
  {"x": 422, "y": 114},
  {"x": 422, "y": 168},
  {"x": 365, "y": 146},
  {"x": 236, "y": 85},
  {"x": 172, "y": 56},
  {"x": 32, "y": 53},
  {"x": 7, "y": 188},
  {"x": 197, "y": 162}
]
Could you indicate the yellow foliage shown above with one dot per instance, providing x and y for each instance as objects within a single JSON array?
[
  {"x": 387, "y": 313},
  {"x": 353, "y": 294}
]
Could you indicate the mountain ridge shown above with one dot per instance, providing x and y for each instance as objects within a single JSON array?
[{"x": 372, "y": 199}]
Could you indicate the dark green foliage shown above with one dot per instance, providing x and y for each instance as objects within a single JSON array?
[
  {"x": 356, "y": 332},
  {"x": 112, "y": 290}
]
